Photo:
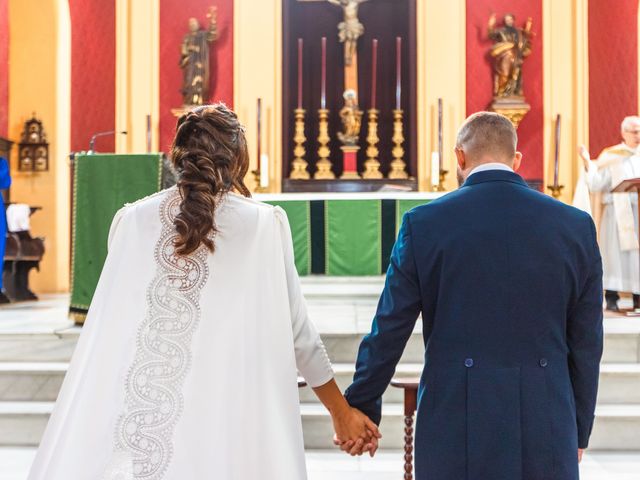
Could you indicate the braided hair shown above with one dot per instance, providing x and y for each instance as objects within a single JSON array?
[{"x": 210, "y": 153}]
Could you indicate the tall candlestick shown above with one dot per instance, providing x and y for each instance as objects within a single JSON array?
[
  {"x": 259, "y": 122},
  {"x": 557, "y": 152},
  {"x": 374, "y": 73},
  {"x": 300, "y": 43},
  {"x": 323, "y": 78},
  {"x": 440, "y": 147},
  {"x": 398, "y": 73}
]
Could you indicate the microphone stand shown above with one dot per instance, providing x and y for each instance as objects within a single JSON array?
[{"x": 92, "y": 142}]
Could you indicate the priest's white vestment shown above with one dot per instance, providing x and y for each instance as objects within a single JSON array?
[
  {"x": 186, "y": 367},
  {"x": 618, "y": 226}
]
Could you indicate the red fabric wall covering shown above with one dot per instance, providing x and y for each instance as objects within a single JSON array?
[
  {"x": 93, "y": 72},
  {"x": 480, "y": 73},
  {"x": 174, "y": 18},
  {"x": 613, "y": 69},
  {"x": 4, "y": 67}
]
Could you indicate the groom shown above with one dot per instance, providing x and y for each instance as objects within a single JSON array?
[{"x": 509, "y": 285}]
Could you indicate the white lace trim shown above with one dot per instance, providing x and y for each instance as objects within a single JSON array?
[{"x": 153, "y": 396}]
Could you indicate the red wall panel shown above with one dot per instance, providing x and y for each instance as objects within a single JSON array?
[
  {"x": 480, "y": 73},
  {"x": 93, "y": 72},
  {"x": 174, "y": 17},
  {"x": 4, "y": 67},
  {"x": 613, "y": 69}
]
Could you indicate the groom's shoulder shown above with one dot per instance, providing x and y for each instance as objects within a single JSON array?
[{"x": 438, "y": 206}]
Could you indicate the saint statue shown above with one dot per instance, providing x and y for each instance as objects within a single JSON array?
[
  {"x": 194, "y": 60},
  {"x": 351, "y": 117},
  {"x": 511, "y": 46},
  {"x": 350, "y": 29}
]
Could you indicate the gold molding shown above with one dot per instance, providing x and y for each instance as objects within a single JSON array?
[
  {"x": 566, "y": 88},
  {"x": 137, "y": 73},
  {"x": 257, "y": 73},
  {"x": 441, "y": 74}
]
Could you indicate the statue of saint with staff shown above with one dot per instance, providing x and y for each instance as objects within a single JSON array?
[{"x": 194, "y": 60}]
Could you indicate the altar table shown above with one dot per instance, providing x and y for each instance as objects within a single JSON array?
[{"x": 345, "y": 234}]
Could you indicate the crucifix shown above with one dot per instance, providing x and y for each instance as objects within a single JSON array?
[{"x": 349, "y": 30}]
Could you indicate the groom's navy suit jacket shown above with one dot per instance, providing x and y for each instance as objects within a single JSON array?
[{"x": 509, "y": 284}]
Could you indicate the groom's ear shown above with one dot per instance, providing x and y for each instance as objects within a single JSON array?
[
  {"x": 517, "y": 160},
  {"x": 462, "y": 161}
]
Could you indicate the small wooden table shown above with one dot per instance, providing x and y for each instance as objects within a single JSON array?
[{"x": 410, "y": 387}]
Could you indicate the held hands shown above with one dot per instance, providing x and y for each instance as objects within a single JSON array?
[{"x": 355, "y": 432}]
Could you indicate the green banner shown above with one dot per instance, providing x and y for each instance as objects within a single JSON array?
[
  {"x": 403, "y": 206},
  {"x": 353, "y": 241},
  {"x": 102, "y": 185},
  {"x": 299, "y": 220}
]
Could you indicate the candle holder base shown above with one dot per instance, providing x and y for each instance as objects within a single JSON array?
[
  {"x": 256, "y": 178},
  {"x": 372, "y": 165},
  {"x": 299, "y": 164},
  {"x": 440, "y": 186},
  {"x": 398, "y": 165},
  {"x": 323, "y": 165},
  {"x": 556, "y": 190}
]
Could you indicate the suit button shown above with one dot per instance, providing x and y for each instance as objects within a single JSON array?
[
  {"x": 468, "y": 362},
  {"x": 543, "y": 362}
]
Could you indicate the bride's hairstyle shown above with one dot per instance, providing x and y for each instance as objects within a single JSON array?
[{"x": 210, "y": 153}]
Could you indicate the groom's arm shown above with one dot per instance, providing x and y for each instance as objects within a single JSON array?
[{"x": 398, "y": 309}]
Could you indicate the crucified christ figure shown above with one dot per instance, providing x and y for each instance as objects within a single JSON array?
[{"x": 350, "y": 29}]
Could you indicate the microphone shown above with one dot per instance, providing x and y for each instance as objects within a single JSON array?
[{"x": 92, "y": 142}]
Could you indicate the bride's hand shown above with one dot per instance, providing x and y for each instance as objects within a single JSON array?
[{"x": 355, "y": 432}]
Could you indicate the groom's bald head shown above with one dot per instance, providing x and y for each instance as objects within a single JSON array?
[{"x": 487, "y": 137}]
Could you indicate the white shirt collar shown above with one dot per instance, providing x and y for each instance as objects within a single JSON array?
[{"x": 491, "y": 166}]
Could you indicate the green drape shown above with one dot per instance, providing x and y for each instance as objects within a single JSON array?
[{"x": 103, "y": 183}]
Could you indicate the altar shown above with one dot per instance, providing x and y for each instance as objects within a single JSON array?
[{"x": 343, "y": 234}]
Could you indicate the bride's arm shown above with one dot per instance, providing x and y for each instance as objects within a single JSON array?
[{"x": 311, "y": 357}]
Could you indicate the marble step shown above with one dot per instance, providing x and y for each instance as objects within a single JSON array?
[
  {"x": 617, "y": 427},
  {"x": 619, "y": 383}
]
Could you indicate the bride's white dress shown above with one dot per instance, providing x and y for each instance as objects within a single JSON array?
[{"x": 186, "y": 367}]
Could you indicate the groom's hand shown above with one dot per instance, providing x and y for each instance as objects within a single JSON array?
[{"x": 356, "y": 433}]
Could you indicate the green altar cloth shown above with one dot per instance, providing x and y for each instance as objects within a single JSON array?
[
  {"x": 345, "y": 234},
  {"x": 102, "y": 184}
]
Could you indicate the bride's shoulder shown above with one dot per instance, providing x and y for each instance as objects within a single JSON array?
[{"x": 235, "y": 199}]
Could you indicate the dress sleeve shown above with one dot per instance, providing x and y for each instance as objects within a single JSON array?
[
  {"x": 117, "y": 218},
  {"x": 311, "y": 357}
]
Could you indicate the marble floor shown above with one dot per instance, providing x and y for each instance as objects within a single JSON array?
[{"x": 328, "y": 465}]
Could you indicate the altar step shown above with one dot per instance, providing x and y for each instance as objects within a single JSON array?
[
  {"x": 617, "y": 427},
  {"x": 622, "y": 345}
]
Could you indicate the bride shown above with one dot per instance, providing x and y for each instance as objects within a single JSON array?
[{"x": 187, "y": 364}]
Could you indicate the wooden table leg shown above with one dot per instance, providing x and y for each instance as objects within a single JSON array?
[{"x": 410, "y": 404}]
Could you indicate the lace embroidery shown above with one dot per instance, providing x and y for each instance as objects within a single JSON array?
[{"x": 153, "y": 395}]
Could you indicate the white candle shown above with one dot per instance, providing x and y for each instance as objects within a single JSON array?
[
  {"x": 435, "y": 168},
  {"x": 264, "y": 170}
]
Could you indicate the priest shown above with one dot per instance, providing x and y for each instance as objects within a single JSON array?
[{"x": 617, "y": 213}]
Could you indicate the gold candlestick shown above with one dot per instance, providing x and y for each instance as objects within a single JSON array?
[
  {"x": 556, "y": 190},
  {"x": 441, "y": 177},
  {"x": 299, "y": 165},
  {"x": 324, "y": 164},
  {"x": 372, "y": 164},
  {"x": 398, "y": 165}
]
